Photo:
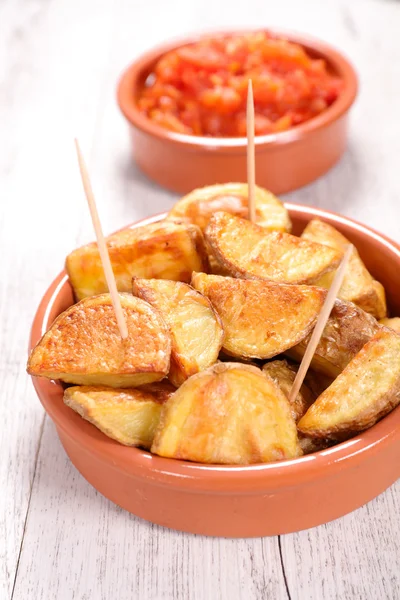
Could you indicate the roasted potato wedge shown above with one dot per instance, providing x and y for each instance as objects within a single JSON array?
[
  {"x": 347, "y": 330},
  {"x": 358, "y": 285},
  {"x": 228, "y": 414},
  {"x": 196, "y": 329},
  {"x": 393, "y": 323},
  {"x": 284, "y": 373},
  {"x": 84, "y": 346},
  {"x": 248, "y": 250},
  {"x": 260, "y": 318},
  {"x": 367, "y": 389},
  {"x": 162, "y": 250},
  {"x": 129, "y": 416},
  {"x": 198, "y": 206}
]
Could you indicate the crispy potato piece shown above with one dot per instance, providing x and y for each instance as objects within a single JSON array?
[
  {"x": 347, "y": 330},
  {"x": 196, "y": 329},
  {"x": 198, "y": 206},
  {"x": 260, "y": 318},
  {"x": 228, "y": 414},
  {"x": 310, "y": 445},
  {"x": 247, "y": 250},
  {"x": 129, "y": 416},
  {"x": 358, "y": 285},
  {"x": 162, "y": 250},
  {"x": 284, "y": 373},
  {"x": 367, "y": 389},
  {"x": 393, "y": 323},
  {"x": 84, "y": 346}
]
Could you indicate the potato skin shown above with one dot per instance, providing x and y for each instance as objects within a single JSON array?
[
  {"x": 195, "y": 327},
  {"x": 260, "y": 318},
  {"x": 284, "y": 373},
  {"x": 230, "y": 413},
  {"x": 129, "y": 416},
  {"x": 199, "y": 205},
  {"x": 84, "y": 346},
  {"x": 161, "y": 250},
  {"x": 247, "y": 250},
  {"x": 358, "y": 285},
  {"x": 310, "y": 445},
  {"x": 367, "y": 389},
  {"x": 347, "y": 330},
  {"x": 393, "y": 323}
]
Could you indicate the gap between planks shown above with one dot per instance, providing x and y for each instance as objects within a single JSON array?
[
  {"x": 29, "y": 503},
  {"x": 283, "y": 568}
]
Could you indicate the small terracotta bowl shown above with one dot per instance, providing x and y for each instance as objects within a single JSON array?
[
  {"x": 232, "y": 501},
  {"x": 284, "y": 161}
]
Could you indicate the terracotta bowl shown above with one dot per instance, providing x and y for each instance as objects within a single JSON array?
[
  {"x": 257, "y": 500},
  {"x": 284, "y": 161}
]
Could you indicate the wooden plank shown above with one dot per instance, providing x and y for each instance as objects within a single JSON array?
[
  {"x": 21, "y": 414},
  {"x": 80, "y": 545},
  {"x": 354, "y": 557},
  {"x": 63, "y": 59},
  {"x": 124, "y": 196},
  {"x": 358, "y": 556},
  {"x": 36, "y": 229}
]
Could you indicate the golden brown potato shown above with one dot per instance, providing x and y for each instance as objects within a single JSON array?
[
  {"x": 284, "y": 373},
  {"x": 198, "y": 206},
  {"x": 228, "y": 414},
  {"x": 162, "y": 250},
  {"x": 358, "y": 285},
  {"x": 129, "y": 416},
  {"x": 260, "y": 318},
  {"x": 367, "y": 389},
  {"x": 247, "y": 250},
  {"x": 393, "y": 323},
  {"x": 84, "y": 346},
  {"x": 347, "y": 330},
  {"x": 196, "y": 329}
]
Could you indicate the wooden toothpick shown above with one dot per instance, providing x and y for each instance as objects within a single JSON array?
[
  {"x": 320, "y": 324},
  {"x": 251, "y": 168},
  {"x": 101, "y": 243}
]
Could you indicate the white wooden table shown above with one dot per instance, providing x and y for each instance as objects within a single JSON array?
[{"x": 59, "y": 61}]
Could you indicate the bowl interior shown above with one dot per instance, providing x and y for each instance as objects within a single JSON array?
[
  {"x": 314, "y": 49},
  {"x": 134, "y": 78},
  {"x": 382, "y": 258}
]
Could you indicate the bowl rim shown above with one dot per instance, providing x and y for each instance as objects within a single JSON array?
[
  {"x": 216, "y": 478},
  {"x": 128, "y": 85}
]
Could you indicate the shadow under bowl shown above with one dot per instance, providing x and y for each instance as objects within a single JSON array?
[{"x": 236, "y": 501}]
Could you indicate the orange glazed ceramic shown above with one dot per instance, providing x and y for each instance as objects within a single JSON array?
[
  {"x": 245, "y": 501},
  {"x": 284, "y": 161}
]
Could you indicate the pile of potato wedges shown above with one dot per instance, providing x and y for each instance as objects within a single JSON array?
[{"x": 219, "y": 311}]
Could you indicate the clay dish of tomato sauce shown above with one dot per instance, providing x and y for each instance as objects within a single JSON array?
[{"x": 185, "y": 103}]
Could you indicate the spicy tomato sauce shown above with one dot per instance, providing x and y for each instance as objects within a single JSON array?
[{"x": 201, "y": 88}]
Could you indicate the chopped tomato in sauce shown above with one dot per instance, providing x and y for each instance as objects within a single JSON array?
[{"x": 201, "y": 89}]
